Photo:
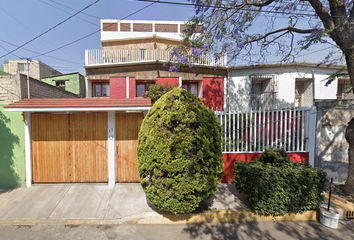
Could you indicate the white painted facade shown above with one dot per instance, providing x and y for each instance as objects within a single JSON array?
[{"x": 279, "y": 81}]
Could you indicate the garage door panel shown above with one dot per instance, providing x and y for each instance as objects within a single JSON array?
[
  {"x": 89, "y": 136},
  {"x": 50, "y": 144},
  {"x": 127, "y": 131}
]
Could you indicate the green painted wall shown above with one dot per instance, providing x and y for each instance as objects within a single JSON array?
[
  {"x": 12, "y": 149},
  {"x": 74, "y": 83}
]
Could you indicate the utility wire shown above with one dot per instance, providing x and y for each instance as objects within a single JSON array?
[
  {"x": 68, "y": 12},
  {"x": 35, "y": 52},
  {"x": 77, "y": 40},
  {"x": 223, "y": 7},
  {"x": 31, "y": 32},
  {"x": 50, "y": 29}
]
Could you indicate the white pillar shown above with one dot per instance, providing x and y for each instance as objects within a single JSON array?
[
  {"x": 311, "y": 135},
  {"x": 225, "y": 94},
  {"x": 180, "y": 81},
  {"x": 127, "y": 85},
  {"x": 28, "y": 149},
  {"x": 111, "y": 148}
]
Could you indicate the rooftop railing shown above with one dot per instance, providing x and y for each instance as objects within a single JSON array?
[{"x": 120, "y": 56}]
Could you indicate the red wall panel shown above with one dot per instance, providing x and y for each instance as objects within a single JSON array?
[
  {"x": 174, "y": 81},
  {"x": 230, "y": 158},
  {"x": 132, "y": 87},
  {"x": 117, "y": 87},
  {"x": 213, "y": 92}
]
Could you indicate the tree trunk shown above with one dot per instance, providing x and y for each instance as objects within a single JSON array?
[
  {"x": 349, "y": 136},
  {"x": 349, "y": 133}
]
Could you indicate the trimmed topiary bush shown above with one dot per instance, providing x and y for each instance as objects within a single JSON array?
[
  {"x": 275, "y": 186},
  {"x": 179, "y": 152}
]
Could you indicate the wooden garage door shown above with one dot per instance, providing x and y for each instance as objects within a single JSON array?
[
  {"x": 70, "y": 147},
  {"x": 50, "y": 147},
  {"x": 127, "y": 130}
]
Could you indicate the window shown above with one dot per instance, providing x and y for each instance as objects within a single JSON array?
[
  {"x": 142, "y": 54},
  {"x": 191, "y": 88},
  {"x": 344, "y": 89},
  {"x": 60, "y": 84},
  {"x": 21, "y": 67},
  {"x": 108, "y": 60},
  {"x": 256, "y": 95},
  {"x": 303, "y": 92},
  {"x": 141, "y": 88},
  {"x": 263, "y": 92},
  {"x": 100, "y": 89}
]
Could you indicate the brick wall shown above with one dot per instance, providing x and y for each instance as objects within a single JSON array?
[
  {"x": 132, "y": 87},
  {"x": 40, "y": 89},
  {"x": 118, "y": 88},
  {"x": 9, "y": 89}
]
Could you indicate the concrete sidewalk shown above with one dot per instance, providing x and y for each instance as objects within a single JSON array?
[{"x": 124, "y": 203}]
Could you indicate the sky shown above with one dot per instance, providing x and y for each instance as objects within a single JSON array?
[{"x": 24, "y": 20}]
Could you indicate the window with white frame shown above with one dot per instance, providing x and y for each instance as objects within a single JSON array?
[{"x": 142, "y": 54}]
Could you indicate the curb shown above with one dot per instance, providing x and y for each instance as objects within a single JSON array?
[{"x": 241, "y": 215}]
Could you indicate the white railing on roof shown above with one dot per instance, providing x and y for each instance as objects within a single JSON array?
[
  {"x": 254, "y": 131},
  {"x": 117, "y": 56}
]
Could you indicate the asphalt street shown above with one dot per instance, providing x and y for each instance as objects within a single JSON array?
[{"x": 287, "y": 230}]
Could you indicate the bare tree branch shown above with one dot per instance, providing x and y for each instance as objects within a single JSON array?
[{"x": 323, "y": 14}]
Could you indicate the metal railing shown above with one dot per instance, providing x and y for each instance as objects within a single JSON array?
[
  {"x": 116, "y": 56},
  {"x": 254, "y": 131}
]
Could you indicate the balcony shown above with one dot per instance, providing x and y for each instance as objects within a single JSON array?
[{"x": 99, "y": 57}]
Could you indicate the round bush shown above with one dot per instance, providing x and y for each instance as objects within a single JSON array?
[{"x": 179, "y": 152}]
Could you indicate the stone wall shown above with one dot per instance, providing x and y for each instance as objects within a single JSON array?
[
  {"x": 10, "y": 89},
  {"x": 331, "y": 147}
]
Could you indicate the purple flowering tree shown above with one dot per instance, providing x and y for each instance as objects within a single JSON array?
[{"x": 254, "y": 30}]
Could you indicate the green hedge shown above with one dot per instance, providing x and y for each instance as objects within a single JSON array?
[
  {"x": 179, "y": 152},
  {"x": 278, "y": 186}
]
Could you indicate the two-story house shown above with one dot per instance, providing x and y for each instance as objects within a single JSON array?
[{"x": 133, "y": 56}]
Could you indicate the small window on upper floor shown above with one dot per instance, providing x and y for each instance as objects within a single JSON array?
[
  {"x": 142, "y": 54},
  {"x": 344, "y": 89},
  {"x": 21, "y": 67},
  {"x": 60, "y": 84}
]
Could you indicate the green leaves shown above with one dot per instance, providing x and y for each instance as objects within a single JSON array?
[
  {"x": 275, "y": 186},
  {"x": 180, "y": 144}
]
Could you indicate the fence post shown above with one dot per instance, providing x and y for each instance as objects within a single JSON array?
[{"x": 311, "y": 134}]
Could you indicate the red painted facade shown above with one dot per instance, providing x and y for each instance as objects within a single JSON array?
[
  {"x": 213, "y": 92},
  {"x": 117, "y": 87},
  {"x": 132, "y": 87},
  {"x": 174, "y": 81},
  {"x": 230, "y": 159}
]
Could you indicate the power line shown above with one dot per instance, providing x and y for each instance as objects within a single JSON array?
[
  {"x": 35, "y": 52},
  {"x": 50, "y": 29},
  {"x": 93, "y": 32},
  {"x": 31, "y": 32},
  {"x": 223, "y": 7},
  {"x": 67, "y": 12}
]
